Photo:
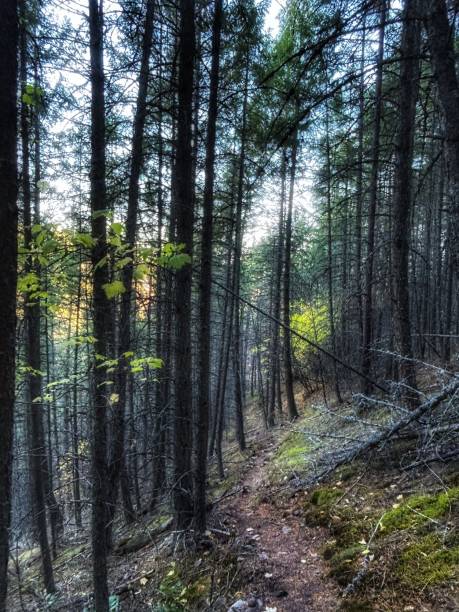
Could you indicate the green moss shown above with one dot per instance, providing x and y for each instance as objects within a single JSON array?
[
  {"x": 427, "y": 562},
  {"x": 348, "y": 471},
  {"x": 418, "y": 509},
  {"x": 158, "y": 521},
  {"x": 343, "y": 565},
  {"x": 292, "y": 452},
  {"x": 69, "y": 553},
  {"x": 325, "y": 497},
  {"x": 291, "y": 456},
  {"x": 178, "y": 596},
  {"x": 29, "y": 555},
  {"x": 350, "y": 553}
]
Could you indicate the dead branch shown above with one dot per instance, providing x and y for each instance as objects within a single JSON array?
[{"x": 389, "y": 432}]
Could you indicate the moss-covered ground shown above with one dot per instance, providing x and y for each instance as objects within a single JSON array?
[{"x": 404, "y": 545}]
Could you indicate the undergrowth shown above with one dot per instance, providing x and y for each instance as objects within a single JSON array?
[{"x": 413, "y": 541}]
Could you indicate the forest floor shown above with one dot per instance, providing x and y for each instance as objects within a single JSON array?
[
  {"x": 288, "y": 573},
  {"x": 278, "y": 541}
]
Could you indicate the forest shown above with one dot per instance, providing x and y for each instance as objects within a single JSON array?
[{"x": 229, "y": 306}]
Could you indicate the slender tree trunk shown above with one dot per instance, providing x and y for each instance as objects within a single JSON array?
[
  {"x": 117, "y": 458},
  {"x": 205, "y": 287},
  {"x": 331, "y": 305},
  {"x": 226, "y": 328},
  {"x": 101, "y": 310},
  {"x": 360, "y": 192},
  {"x": 288, "y": 368},
  {"x": 409, "y": 87},
  {"x": 74, "y": 427},
  {"x": 372, "y": 206},
  {"x": 442, "y": 47},
  {"x": 32, "y": 320},
  {"x": 8, "y": 268},
  {"x": 276, "y": 288},
  {"x": 240, "y": 435}
]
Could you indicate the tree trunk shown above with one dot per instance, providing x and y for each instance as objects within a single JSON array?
[
  {"x": 240, "y": 435},
  {"x": 8, "y": 268},
  {"x": 101, "y": 310},
  {"x": 331, "y": 306},
  {"x": 441, "y": 42},
  {"x": 182, "y": 486},
  {"x": 117, "y": 459},
  {"x": 288, "y": 368},
  {"x": 360, "y": 192},
  {"x": 276, "y": 290},
  {"x": 205, "y": 287},
  {"x": 403, "y": 179},
  {"x": 38, "y": 468},
  {"x": 372, "y": 205}
]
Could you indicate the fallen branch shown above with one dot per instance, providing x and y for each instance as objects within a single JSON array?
[
  {"x": 387, "y": 433},
  {"x": 130, "y": 545},
  {"x": 433, "y": 459}
]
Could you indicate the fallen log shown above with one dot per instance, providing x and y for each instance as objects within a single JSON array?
[
  {"x": 387, "y": 433},
  {"x": 139, "y": 541}
]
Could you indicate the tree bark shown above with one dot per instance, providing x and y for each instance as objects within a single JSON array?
[
  {"x": 8, "y": 268},
  {"x": 441, "y": 43},
  {"x": 403, "y": 179},
  {"x": 37, "y": 456},
  {"x": 288, "y": 368},
  {"x": 205, "y": 286},
  {"x": 117, "y": 459},
  {"x": 240, "y": 435},
  {"x": 101, "y": 308},
  {"x": 372, "y": 206},
  {"x": 182, "y": 486}
]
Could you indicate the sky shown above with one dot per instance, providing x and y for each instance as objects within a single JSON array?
[
  {"x": 272, "y": 16},
  {"x": 261, "y": 220}
]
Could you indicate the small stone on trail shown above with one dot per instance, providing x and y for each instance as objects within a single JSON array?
[
  {"x": 239, "y": 606},
  {"x": 280, "y": 594},
  {"x": 263, "y": 556},
  {"x": 242, "y": 605}
]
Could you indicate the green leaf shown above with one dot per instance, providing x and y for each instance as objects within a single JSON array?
[
  {"x": 137, "y": 365},
  {"x": 42, "y": 185},
  {"x": 179, "y": 261},
  {"x": 113, "y": 289},
  {"x": 145, "y": 253},
  {"x": 85, "y": 240},
  {"x": 140, "y": 271},
  {"x": 101, "y": 263},
  {"x": 102, "y": 213},
  {"x": 115, "y": 241},
  {"x": 121, "y": 263},
  {"x": 116, "y": 228},
  {"x": 28, "y": 283},
  {"x": 27, "y": 99}
]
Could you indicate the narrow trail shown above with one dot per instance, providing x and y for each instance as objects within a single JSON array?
[{"x": 289, "y": 574}]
